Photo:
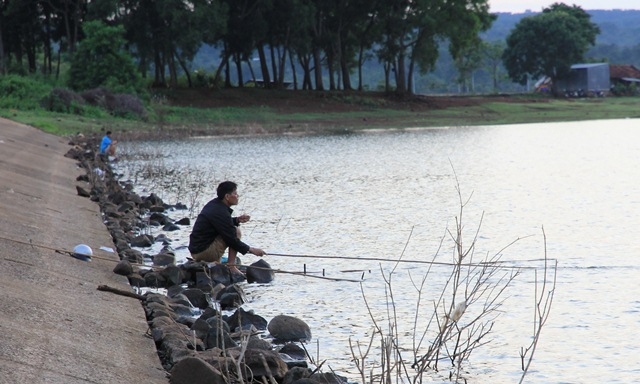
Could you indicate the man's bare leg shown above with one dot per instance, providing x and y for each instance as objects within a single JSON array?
[
  {"x": 232, "y": 261},
  {"x": 232, "y": 255}
]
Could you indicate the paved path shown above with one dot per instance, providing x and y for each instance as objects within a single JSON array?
[{"x": 55, "y": 327}]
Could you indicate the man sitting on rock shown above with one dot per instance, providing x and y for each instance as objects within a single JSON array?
[
  {"x": 215, "y": 229},
  {"x": 108, "y": 146}
]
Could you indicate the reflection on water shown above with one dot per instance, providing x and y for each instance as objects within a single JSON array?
[{"x": 382, "y": 194}]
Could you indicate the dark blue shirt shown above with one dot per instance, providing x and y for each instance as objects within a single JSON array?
[{"x": 215, "y": 219}]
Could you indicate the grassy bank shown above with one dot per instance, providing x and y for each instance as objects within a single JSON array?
[{"x": 258, "y": 111}]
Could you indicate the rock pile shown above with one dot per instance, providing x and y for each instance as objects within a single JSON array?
[{"x": 196, "y": 342}]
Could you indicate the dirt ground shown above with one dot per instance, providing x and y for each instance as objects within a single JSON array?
[{"x": 297, "y": 101}]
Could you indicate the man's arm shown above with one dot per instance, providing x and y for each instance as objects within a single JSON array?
[{"x": 225, "y": 226}]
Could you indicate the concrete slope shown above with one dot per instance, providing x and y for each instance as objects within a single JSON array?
[{"x": 55, "y": 327}]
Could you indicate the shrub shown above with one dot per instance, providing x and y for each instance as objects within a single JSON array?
[
  {"x": 121, "y": 104},
  {"x": 63, "y": 100},
  {"x": 99, "y": 97},
  {"x": 126, "y": 105},
  {"x": 621, "y": 89},
  {"x": 21, "y": 92}
]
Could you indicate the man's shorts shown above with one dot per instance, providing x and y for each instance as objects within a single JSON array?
[{"x": 213, "y": 253}]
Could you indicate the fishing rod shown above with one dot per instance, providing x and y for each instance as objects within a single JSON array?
[
  {"x": 89, "y": 257},
  {"x": 62, "y": 251},
  {"x": 480, "y": 264}
]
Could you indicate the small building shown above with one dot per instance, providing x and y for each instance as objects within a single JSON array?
[
  {"x": 625, "y": 75},
  {"x": 586, "y": 79}
]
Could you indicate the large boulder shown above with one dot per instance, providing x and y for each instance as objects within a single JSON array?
[
  {"x": 219, "y": 338},
  {"x": 142, "y": 241},
  {"x": 260, "y": 272},
  {"x": 192, "y": 370},
  {"x": 218, "y": 322},
  {"x": 201, "y": 328},
  {"x": 242, "y": 319},
  {"x": 123, "y": 268},
  {"x": 218, "y": 274},
  {"x": 173, "y": 275},
  {"x": 162, "y": 259},
  {"x": 133, "y": 255},
  {"x": 289, "y": 328},
  {"x": 159, "y": 218},
  {"x": 231, "y": 297},
  {"x": 197, "y": 297},
  {"x": 265, "y": 363}
]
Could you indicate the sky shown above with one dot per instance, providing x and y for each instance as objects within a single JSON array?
[{"x": 520, "y": 6}]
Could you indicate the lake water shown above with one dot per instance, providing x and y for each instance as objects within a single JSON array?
[{"x": 390, "y": 194}]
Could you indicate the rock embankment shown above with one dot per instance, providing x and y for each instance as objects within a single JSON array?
[
  {"x": 198, "y": 341},
  {"x": 56, "y": 327}
]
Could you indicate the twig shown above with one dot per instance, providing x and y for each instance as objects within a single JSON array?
[{"x": 541, "y": 312}]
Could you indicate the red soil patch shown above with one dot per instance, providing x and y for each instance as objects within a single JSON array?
[{"x": 293, "y": 101}]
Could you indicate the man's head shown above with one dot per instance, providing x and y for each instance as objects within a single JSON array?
[
  {"x": 228, "y": 192},
  {"x": 108, "y": 133}
]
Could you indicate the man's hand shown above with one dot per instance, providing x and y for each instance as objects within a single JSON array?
[
  {"x": 243, "y": 218},
  {"x": 257, "y": 251}
]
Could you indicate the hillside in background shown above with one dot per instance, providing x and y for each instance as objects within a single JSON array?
[
  {"x": 617, "y": 27},
  {"x": 618, "y": 43}
]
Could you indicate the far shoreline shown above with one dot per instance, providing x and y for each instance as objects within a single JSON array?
[{"x": 248, "y": 113}]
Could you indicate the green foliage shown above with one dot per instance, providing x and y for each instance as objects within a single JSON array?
[
  {"x": 624, "y": 90},
  {"x": 21, "y": 92},
  {"x": 548, "y": 44},
  {"x": 101, "y": 60},
  {"x": 413, "y": 32},
  {"x": 202, "y": 79}
]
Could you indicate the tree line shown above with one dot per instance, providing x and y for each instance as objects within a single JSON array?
[
  {"x": 336, "y": 35},
  {"x": 322, "y": 44}
]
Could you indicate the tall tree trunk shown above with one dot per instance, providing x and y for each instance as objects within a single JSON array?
[
  {"x": 236, "y": 62},
  {"x": 274, "y": 67},
  {"x": 3, "y": 66},
  {"x": 31, "y": 51},
  {"x": 183, "y": 65},
  {"x": 305, "y": 63},
  {"x": 266, "y": 78},
  {"x": 253, "y": 75},
  {"x": 225, "y": 59},
  {"x": 360, "y": 62},
  {"x": 46, "y": 46},
  {"x": 387, "y": 72},
  {"x": 344, "y": 66},
  {"x": 158, "y": 68},
  {"x": 346, "y": 77},
  {"x": 58, "y": 62},
  {"x": 173, "y": 71},
  {"x": 293, "y": 70},
  {"x": 410, "y": 80},
  {"x": 331, "y": 69},
  {"x": 227, "y": 74},
  {"x": 283, "y": 59},
  {"x": 401, "y": 85},
  {"x": 317, "y": 68},
  {"x": 67, "y": 27}
]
